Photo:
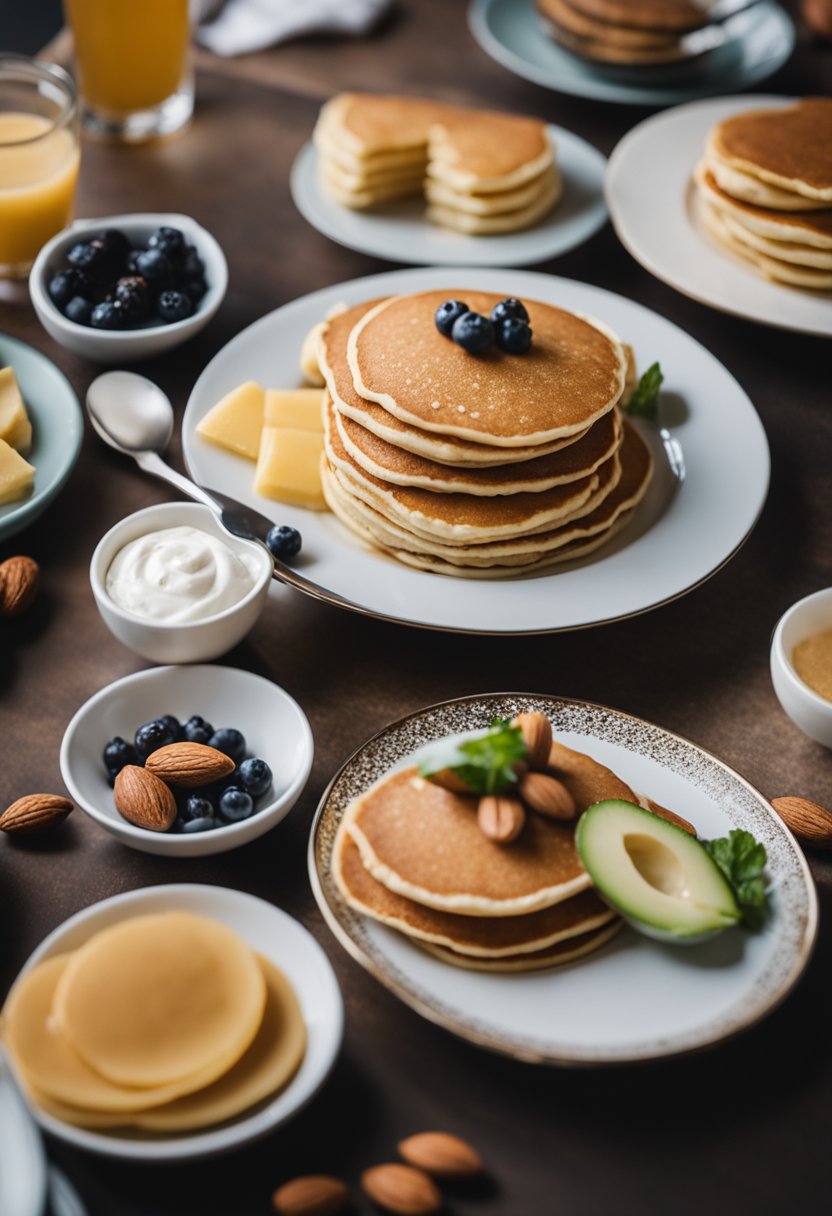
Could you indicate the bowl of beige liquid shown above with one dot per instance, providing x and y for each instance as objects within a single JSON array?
[{"x": 801, "y": 665}]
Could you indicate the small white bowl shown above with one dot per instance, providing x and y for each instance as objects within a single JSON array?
[
  {"x": 274, "y": 725},
  {"x": 811, "y": 712},
  {"x": 270, "y": 932},
  {"x": 126, "y": 345},
  {"x": 191, "y": 641}
]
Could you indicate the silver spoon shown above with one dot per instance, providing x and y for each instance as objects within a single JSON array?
[{"x": 132, "y": 414}]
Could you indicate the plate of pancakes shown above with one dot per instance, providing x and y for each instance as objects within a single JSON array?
[
  {"x": 654, "y": 52},
  {"x": 509, "y": 946},
  {"x": 499, "y": 494},
  {"x": 747, "y": 225}
]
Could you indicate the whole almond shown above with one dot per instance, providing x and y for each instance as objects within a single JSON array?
[
  {"x": 34, "y": 813},
  {"x": 189, "y": 764},
  {"x": 402, "y": 1189},
  {"x": 143, "y": 799},
  {"x": 501, "y": 819},
  {"x": 447, "y": 778},
  {"x": 537, "y": 736},
  {"x": 809, "y": 821},
  {"x": 547, "y": 796},
  {"x": 441, "y": 1154},
  {"x": 311, "y": 1195},
  {"x": 670, "y": 817},
  {"x": 19, "y": 579}
]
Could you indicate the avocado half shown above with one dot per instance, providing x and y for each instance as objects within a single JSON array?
[{"x": 660, "y": 878}]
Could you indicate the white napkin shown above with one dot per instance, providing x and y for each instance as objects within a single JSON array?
[{"x": 251, "y": 25}]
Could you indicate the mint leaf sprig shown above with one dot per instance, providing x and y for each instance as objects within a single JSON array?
[
  {"x": 484, "y": 764},
  {"x": 742, "y": 860},
  {"x": 644, "y": 402}
]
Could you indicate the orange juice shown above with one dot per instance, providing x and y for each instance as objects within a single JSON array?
[
  {"x": 131, "y": 55},
  {"x": 38, "y": 175}
]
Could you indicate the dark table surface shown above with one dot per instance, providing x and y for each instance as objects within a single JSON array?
[{"x": 742, "y": 1128}]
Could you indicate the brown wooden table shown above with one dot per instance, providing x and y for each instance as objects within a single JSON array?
[{"x": 743, "y": 1128}]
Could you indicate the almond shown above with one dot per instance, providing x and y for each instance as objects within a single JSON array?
[
  {"x": 441, "y": 1154},
  {"x": 311, "y": 1195},
  {"x": 401, "y": 1189},
  {"x": 501, "y": 819},
  {"x": 19, "y": 578},
  {"x": 547, "y": 796},
  {"x": 670, "y": 816},
  {"x": 809, "y": 821},
  {"x": 189, "y": 764},
  {"x": 143, "y": 799},
  {"x": 447, "y": 778},
  {"x": 34, "y": 813},
  {"x": 537, "y": 736}
]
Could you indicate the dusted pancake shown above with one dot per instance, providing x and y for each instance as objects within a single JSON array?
[
  {"x": 789, "y": 148},
  {"x": 550, "y": 956}
]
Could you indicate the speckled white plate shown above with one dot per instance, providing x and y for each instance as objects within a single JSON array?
[{"x": 635, "y": 999}]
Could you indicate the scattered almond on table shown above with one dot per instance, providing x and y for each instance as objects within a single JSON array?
[
  {"x": 19, "y": 580},
  {"x": 441, "y": 1154},
  {"x": 401, "y": 1189},
  {"x": 34, "y": 813},
  {"x": 810, "y": 822},
  {"x": 311, "y": 1195}
]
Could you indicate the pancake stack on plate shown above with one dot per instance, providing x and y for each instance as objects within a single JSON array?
[
  {"x": 481, "y": 172},
  {"x": 477, "y": 465},
  {"x": 627, "y": 33},
  {"x": 765, "y": 188}
]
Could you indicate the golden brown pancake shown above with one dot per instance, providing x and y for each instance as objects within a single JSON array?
[
  {"x": 369, "y": 123},
  {"x": 586, "y": 779},
  {"x": 573, "y": 373},
  {"x": 494, "y": 202},
  {"x": 791, "y": 148},
  {"x": 482, "y": 151},
  {"x": 604, "y": 51},
  {"x": 774, "y": 268},
  {"x": 676, "y": 15},
  {"x": 474, "y": 223},
  {"x": 568, "y": 15},
  {"x": 813, "y": 228},
  {"x": 551, "y": 956}
]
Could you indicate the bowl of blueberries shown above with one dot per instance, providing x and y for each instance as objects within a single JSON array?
[
  {"x": 128, "y": 287},
  {"x": 248, "y": 719}
]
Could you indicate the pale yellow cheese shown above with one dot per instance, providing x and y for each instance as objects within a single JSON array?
[
  {"x": 15, "y": 427},
  {"x": 288, "y": 467},
  {"x": 236, "y": 421},
  {"x": 309, "y": 364},
  {"x": 16, "y": 474},
  {"x": 298, "y": 409}
]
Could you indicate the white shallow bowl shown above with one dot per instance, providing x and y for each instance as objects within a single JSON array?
[
  {"x": 269, "y": 931},
  {"x": 806, "y": 708},
  {"x": 126, "y": 345},
  {"x": 191, "y": 641},
  {"x": 274, "y": 725}
]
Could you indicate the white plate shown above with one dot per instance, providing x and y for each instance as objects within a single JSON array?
[
  {"x": 272, "y": 933},
  {"x": 23, "y": 1179},
  {"x": 710, "y": 485},
  {"x": 511, "y": 32},
  {"x": 655, "y": 161},
  {"x": 400, "y": 232},
  {"x": 636, "y": 999}
]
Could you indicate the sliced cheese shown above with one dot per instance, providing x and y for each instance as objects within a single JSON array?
[
  {"x": 309, "y": 365},
  {"x": 15, "y": 427},
  {"x": 288, "y": 468},
  {"x": 299, "y": 409},
  {"x": 16, "y": 474},
  {"x": 236, "y": 421}
]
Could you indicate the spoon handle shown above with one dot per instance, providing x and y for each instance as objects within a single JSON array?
[{"x": 152, "y": 463}]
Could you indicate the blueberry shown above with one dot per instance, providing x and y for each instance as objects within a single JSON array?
[
  {"x": 174, "y": 306},
  {"x": 67, "y": 284},
  {"x": 107, "y": 315},
  {"x": 151, "y": 736},
  {"x": 194, "y": 288},
  {"x": 514, "y": 336},
  {"x": 173, "y": 725},
  {"x": 192, "y": 264},
  {"x": 134, "y": 296},
  {"x": 93, "y": 257},
  {"x": 230, "y": 742},
  {"x": 116, "y": 243},
  {"x": 117, "y": 753},
  {"x": 197, "y": 730},
  {"x": 196, "y": 806},
  {"x": 79, "y": 310},
  {"x": 509, "y": 308},
  {"x": 132, "y": 259},
  {"x": 256, "y": 776},
  {"x": 235, "y": 804},
  {"x": 206, "y": 823},
  {"x": 283, "y": 542},
  {"x": 473, "y": 332},
  {"x": 154, "y": 266},
  {"x": 170, "y": 242},
  {"x": 447, "y": 313}
]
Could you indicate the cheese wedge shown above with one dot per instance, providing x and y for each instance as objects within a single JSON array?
[
  {"x": 299, "y": 409},
  {"x": 15, "y": 427},
  {"x": 309, "y": 365},
  {"x": 236, "y": 421},
  {"x": 288, "y": 468},
  {"x": 16, "y": 474}
]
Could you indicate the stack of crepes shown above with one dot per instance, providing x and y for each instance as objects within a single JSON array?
[
  {"x": 765, "y": 188},
  {"x": 481, "y": 172},
  {"x": 626, "y": 32},
  {"x": 409, "y": 853},
  {"x": 485, "y": 465}
]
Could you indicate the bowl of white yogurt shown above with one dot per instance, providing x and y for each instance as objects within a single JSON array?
[{"x": 175, "y": 587}]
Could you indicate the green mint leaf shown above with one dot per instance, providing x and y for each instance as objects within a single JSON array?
[
  {"x": 644, "y": 402},
  {"x": 742, "y": 860},
  {"x": 486, "y": 763}
]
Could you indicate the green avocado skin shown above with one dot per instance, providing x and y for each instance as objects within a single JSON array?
[{"x": 630, "y": 894}]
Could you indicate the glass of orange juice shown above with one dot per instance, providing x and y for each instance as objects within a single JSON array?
[
  {"x": 39, "y": 159},
  {"x": 132, "y": 63}
]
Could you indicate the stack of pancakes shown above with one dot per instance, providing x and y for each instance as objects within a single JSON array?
[
  {"x": 765, "y": 186},
  {"x": 634, "y": 33},
  {"x": 481, "y": 172},
  {"x": 409, "y": 853},
  {"x": 483, "y": 465}
]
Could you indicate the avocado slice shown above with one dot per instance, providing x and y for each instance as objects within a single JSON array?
[{"x": 661, "y": 879}]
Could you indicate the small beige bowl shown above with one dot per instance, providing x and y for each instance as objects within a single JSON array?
[
  {"x": 806, "y": 708},
  {"x": 192, "y": 641}
]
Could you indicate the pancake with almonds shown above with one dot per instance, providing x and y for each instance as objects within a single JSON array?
[
  {"x": 551, "y": 956},
  {"x": 789, "y": 148},
  {"x": 573, "y": 373}
]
